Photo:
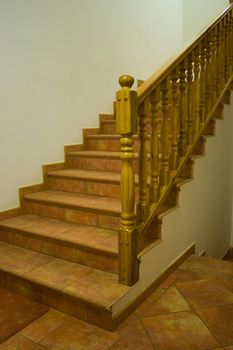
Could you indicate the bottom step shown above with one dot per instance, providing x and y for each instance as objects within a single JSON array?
[{"x": 77, "y": 290}]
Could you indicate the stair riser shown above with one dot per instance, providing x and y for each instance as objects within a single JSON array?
[
  {"x": 87, "y": 187},
  {"x": 58, "y": 300},
  {"x": 97, "y": 164},
  {"x": 108, "y": 145},
  {"x": 64, "y": 251},
  {"x": 108, "y": 128},
  {"x": 78, "y": 215}
]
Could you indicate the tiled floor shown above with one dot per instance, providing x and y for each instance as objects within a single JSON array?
[{"x": 191, "y": 310}]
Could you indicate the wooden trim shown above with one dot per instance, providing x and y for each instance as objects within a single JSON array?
[
  {"x": 229, "y": 253},
  {"x": 118, "y": 319},
  {"x": 9, "y": 213}
]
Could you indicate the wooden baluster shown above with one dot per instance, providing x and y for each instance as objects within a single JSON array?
[
  {"x": 196, "y": 92},
  {"x": 231, "y": 40},
  {"x": 189, "y": 101},
  {"x": 174, "y": 120},
  {"x": 228, "y": 58},
  {"x": 208, "y": 76},
  {"x": 182, "y": 119},
  {"x": 126, "y": 118},
  {"x": 218, "y": 61},
  {"x": 165, "y": 173},
  {"x": 222, "y": 54},
  {"x": 203, "y": 110},
  {"x": 213, "y": 89},
  {"x": 143, "y": 204},
  {"x": 154, "y": 153}
]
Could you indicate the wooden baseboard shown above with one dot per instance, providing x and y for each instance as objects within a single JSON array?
[
  {"x": 229, "y": 254},
  {"x": 9, "y": 213},
  {"x": 164, "y": 275}
]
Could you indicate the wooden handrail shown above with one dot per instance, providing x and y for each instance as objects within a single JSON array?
[{"x": 173, "y": 108}]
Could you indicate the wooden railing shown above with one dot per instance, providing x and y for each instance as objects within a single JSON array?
[{"x": 172, "y": 109}]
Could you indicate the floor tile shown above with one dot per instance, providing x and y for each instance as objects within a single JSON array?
[
  {"x": 205, "y": 293},
  {"x": 148, "y": 304},
  {"x": 213, "y": 267},
  {"x": 220, "y": 322},
  {"x": 10, "y": 344},
  {"x": 26, "y": 344},
  {"x": 170, "y": 301},
  {"x": 228, "y": 284},
  {"x": 40, "y": 328},
  {"x": 75, "y": 334},
  {"x": 183, "y": 330},
  {"x": 133, "y": 336}
]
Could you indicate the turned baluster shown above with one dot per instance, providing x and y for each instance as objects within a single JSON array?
[
  {"x": 143, "y": 205},
  {"x": 154, "y": 153},
  {"x": 126, "y": 118},
  {"x": 182, "y": 110},
  {"x": 222, "y": 54},
  {"x": 164, "y": 172},
  {"x": 202, "y": 106},
  {"x": 208, "y": 75},
  {"x": 213, "y": 89},
  {"x": 231, "y": 41},
  {"x": 189, "y": 98},
  {"x": 174, "y": 120},
  {"x": 218, "y": 61},
  {"x": 196, "y": 92}
]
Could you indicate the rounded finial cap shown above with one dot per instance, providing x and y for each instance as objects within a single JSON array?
[{"x": 126, "y": 81}]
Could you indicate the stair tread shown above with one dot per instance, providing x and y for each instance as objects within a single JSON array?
[
  {"x": 77, "y": 234},
  {"x": 100, "y": 154},
  {"x": 86, "y": 175},
  {"x": 82, "y": 282},
  {"x": 77, "y": 200}
]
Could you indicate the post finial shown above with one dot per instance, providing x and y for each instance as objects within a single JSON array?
[{"x": 126, "y": 81}]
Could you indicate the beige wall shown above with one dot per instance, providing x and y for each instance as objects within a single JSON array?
[
  {"x": 60, "y": 61},
  {"x": 198, "y": 14}
]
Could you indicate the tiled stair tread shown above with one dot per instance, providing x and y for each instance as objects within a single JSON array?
[
  {"x": 95, "y": 154},
  {"x": 89, "y": 175},
  {"x": 77, "y": 200},
  {"x": 107, "y": 137},
  {"x": 82, "y": 282},
  {"x": 76, "y": 234},
  {"x": 86, "y": 175}
]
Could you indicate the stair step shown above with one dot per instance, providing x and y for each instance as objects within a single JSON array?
[
  {"x": 97, "y": 160},
  {"x": 77, "y": 290},
  {"x": 92, "y": 182},
  {"x": 87, "y": 245},
  {"x": 108, "y": 126},
  {"x": 75, "y": 207},
  {"x": 108, "y": 142}
]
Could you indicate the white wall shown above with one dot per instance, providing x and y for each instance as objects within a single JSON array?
[
  {"x": 198, "y": 14},
  {"x": 60, "y": 61}
]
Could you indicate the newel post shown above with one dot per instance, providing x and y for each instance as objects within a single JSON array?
[{"x": 126, "y": 126}]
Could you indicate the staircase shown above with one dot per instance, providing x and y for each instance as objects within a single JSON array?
[{"x": 61, "y": 246}]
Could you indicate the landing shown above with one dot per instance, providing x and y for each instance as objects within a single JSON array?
[{"x": 192, "y": 309}]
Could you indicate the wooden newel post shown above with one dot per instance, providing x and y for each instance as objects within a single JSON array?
[{"x": 126, "y": 126}]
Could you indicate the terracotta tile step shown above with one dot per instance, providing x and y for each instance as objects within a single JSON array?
[
  {"x": 87, "y": 245},
  {"x": 108, "y": 126},
  {"x": 77, "y": 290},
  {"x": 75, "y": 207},
  {"x": 99, "y": 183},
  {"x": 111, "y": 142},
  {"x": 97, "y": 160}
]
